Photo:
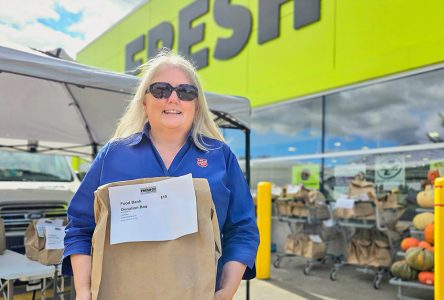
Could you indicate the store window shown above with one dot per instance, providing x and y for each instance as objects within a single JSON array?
[
  {"x": 281, "y": 130},
  {"x": 288, "y": 129},
  {"x": 405, "y": 172},
  {"x": 287, "y": 171},
  {"x": 394, "y": 128},
  {"x": 406, "y": 111},
  {"x": 235, "y": 138}
]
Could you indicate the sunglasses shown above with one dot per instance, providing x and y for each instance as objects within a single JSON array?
[{"x": 163, "y": 90}]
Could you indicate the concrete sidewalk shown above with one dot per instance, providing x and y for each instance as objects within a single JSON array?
[
  {"x": 289, "y": 283},
  {"x": 263, "y": 290}
]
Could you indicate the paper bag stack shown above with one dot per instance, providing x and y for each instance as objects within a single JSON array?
[{"x": 183, "y": 268}]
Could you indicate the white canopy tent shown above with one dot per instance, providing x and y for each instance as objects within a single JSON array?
[{"x": 54, "y": 105}]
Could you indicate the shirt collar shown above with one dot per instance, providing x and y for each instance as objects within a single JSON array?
[{"x": 146, "y": 133}]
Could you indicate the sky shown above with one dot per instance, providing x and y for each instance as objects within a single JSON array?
[{"x": 67, "y": 24}]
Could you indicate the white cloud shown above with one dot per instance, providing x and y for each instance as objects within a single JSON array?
[
  {"x": 32, "y": 36},
  {"x": 20, "y": 12},
  {"x": 19, "y": 21}
]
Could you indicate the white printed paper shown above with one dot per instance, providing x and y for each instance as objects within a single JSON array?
[
  {"x": 315, "y": 238},
  {"x": 364, "y": 197},
  {"x": 54, "y": 237},
  {"x": 293, "y": 189},
  {"x": 345, "y": 202},
  {"x": 157, "y": 211},
  {"x": 276, "y": 190},
  {"x": 42, "y": 223},
  {"x": 328, "y": 223}
]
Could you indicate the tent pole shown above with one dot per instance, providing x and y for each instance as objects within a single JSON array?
[
  {"x": 247, "y": 156},
  {"x": 94, "y": 150},
  {"x": 247, "y": 171}
]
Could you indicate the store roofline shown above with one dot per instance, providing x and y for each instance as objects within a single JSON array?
[{"x": 352, "y": 86}]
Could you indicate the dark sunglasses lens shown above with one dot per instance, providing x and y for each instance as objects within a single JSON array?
[
  {"x": 161, "y": 90},
  {"x": 186, "y": 92}
]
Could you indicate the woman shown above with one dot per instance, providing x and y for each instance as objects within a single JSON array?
[{"x": 167, "y": 130}]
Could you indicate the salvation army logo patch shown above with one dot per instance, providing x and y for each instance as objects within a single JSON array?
[{"x": 202, "y": 162}]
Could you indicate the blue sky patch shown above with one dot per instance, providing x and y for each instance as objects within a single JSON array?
[
  {"x": 15, "y": 26},
  {"x": 65, "y": 20}
]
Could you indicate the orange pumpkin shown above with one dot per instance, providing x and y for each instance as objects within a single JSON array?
[
  {"x": 426, "y": 277},
  {"x": 424, "y": 245},
  {"x": 408, "y": 243},
  {"x": 432, "y": 175},
  {"x": 429, "y": 233}
]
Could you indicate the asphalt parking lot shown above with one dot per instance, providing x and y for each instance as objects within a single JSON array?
[{"x": 288, "y": 282}]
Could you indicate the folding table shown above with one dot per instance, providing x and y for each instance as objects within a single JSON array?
[{"x": 15, "y": 266}]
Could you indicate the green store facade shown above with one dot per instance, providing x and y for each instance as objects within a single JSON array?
[{"x": 337, "y": 87}]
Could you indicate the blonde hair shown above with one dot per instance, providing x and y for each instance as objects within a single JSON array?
[{"x": 135, "y": 118}]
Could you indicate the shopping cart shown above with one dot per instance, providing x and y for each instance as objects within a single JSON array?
[
  {"x": 310, "y": 230},
  {"x": 373, "y": 237}
]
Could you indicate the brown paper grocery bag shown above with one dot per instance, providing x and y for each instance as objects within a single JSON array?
[
  {"x": 363, "y": 209},
  {"x": 364, "y": 247},
  {"x": 352, "y": 253},
  {"x": 360, "y": 209},
  {"x": 2, "y": 236},
  {"x": 357, "y": 187},
  {"x": 299, "y": 211},
  {"x": 315, "y": 197},
  {"x": 389, "y": 201},
  {"x": 289, "y": 244},
  {"x": 282, "y": 206},
  {"x": 380, "y": 253},
  {"x": 344, "y": 213},
  {"x": 50, "y": 257},
  {"x": 184, "y": 268},
  {"x": 313, "y": 249},
  {"x": 359, "y": 248},
  {"x": 35, "y": 246},
  {"x": 298, "y": 244}
]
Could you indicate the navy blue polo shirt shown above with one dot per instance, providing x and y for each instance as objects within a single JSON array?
[{"x": 136, "y": 157}]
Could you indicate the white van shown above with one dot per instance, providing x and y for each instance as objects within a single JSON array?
[{"x": 33, "y": 186}]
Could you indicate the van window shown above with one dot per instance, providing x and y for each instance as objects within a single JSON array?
[{"x": 24, "y": 166}]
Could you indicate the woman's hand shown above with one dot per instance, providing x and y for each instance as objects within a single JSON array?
[{"x": 223, "y": 294}]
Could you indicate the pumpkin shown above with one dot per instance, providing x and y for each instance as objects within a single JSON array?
[
  {"x": 419, "y": 259},
  {"x": 402, "y": 270},
  {"x": 424, "y": 245},
  {"x": 420, "y": 221},
  {"x": 426, "y": 277},
  {"x": 432, "y": 175},
  {"x": 426, "y": 197},
  {"x": 408, "y": 243},
  {"x": 429, "y": 233}
]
